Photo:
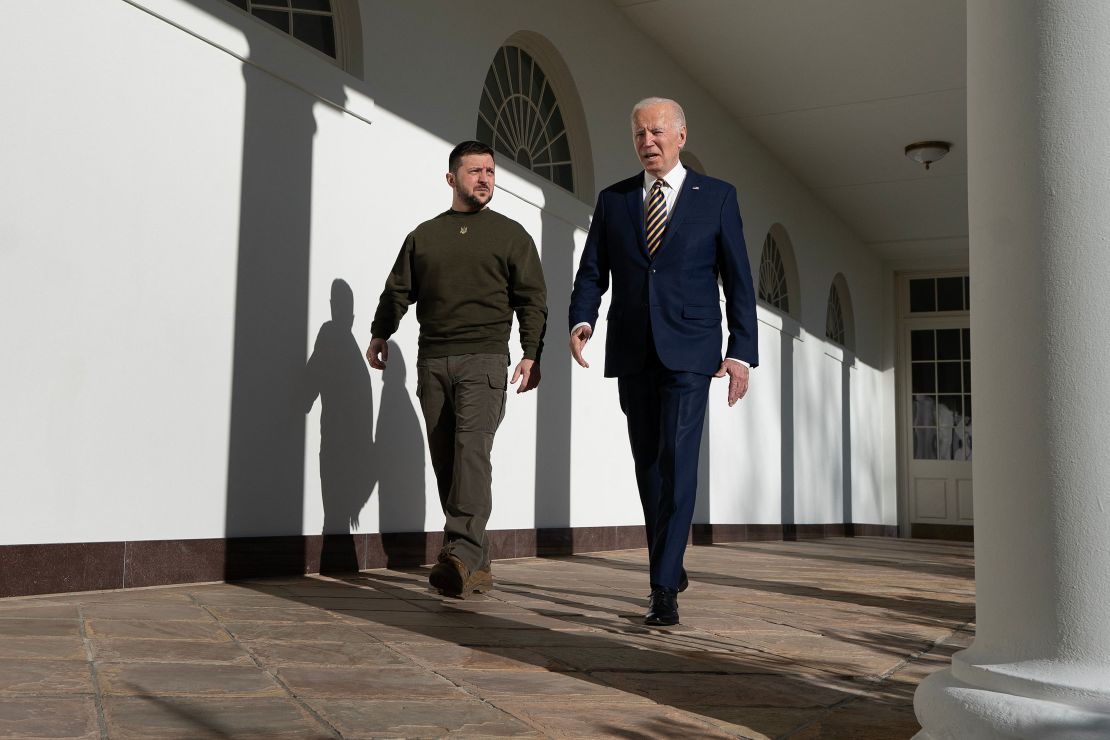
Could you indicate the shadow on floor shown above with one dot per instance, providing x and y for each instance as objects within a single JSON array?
[{"x": 773, "y": 675}]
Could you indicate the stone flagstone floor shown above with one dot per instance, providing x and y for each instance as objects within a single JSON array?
[{"x": 812, "y": 639}]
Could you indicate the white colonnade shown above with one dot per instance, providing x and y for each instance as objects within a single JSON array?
[{"x": 1039, "y": 207}]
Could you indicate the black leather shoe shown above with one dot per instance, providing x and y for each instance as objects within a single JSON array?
[
  {"x": 683, "y": 582},
  {"x": 663, "y": 609}
]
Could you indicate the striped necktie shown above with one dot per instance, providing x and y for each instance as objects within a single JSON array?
[{"x": 656, "y": 218}]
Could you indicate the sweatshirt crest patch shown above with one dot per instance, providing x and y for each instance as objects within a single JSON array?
[{"x": 462, "y": 229}]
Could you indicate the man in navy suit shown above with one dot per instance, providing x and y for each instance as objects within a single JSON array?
[{"x": 665, "y": 237}]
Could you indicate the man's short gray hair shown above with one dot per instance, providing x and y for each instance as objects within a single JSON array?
[{"x": 677, "y": 114}]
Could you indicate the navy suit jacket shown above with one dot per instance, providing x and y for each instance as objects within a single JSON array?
[{"x": 674, "y": 297}]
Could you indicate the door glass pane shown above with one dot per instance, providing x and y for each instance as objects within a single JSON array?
[
  {"x": 940, "y": 373},
  {"x": 949, "y": 377},
  {"x": 923, "y": 296},
  {"x": 950, "y": 294},
  {"x": 948, "y": 344},
  {"x": 946, "y": 444},
  {"x": 949, "y": 410},
  {"x": 942, "y": 428},
  {"x": 922, "y": 345},
  {"x": 924, "y": 377},
  {"x": 924, "y": 410},
  {"x": 925, "y": 444},
  {"x": 961, "y": 444}
]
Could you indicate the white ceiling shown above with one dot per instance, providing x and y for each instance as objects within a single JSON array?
[{"x": 835, "y": 89}]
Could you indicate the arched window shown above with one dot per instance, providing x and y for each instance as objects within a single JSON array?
[
  {"x": 834, "y": 318},
  {"x": 838, "y": 315},
  {"x": 332, "y": 27},
  {"x": 529, "y": 112},
  {"x": 772, "y": 277},
  {"x": 778, "y": 276},
  {"x": 520, "y": 115}
]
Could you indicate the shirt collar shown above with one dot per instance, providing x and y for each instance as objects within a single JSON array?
[{"x": 674, "y": 178}]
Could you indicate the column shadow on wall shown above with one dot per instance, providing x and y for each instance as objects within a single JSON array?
[
  {"x": 553, "y": 404},
  {"x": 846, "y": 442},
  {"x": 336, "y": 373},
  {"x": 786, "y": 458},
  {"x": 266, "y": 447},
  {"x": 399, "y": 450}
]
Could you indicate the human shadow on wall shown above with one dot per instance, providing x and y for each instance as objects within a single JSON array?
[
  {"x": 336, "y": 373},
  {"x": 399, "y": 448}
]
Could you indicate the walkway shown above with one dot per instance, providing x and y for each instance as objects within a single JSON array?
[{"x": 812, "y": 639}]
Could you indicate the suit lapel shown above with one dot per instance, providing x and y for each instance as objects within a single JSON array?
[
  {"x": 635, "y": 200},
  {"x": 681, "y": 207}
]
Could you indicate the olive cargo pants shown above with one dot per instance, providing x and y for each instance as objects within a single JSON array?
[{"x": 463, "y": 401}]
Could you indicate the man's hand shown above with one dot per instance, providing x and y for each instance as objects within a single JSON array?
[
  {"x": 578, "y": 339},
  {"x": 737, "y": 373},
  {"x": 378, "y": 353},
  {"x": 528, "y": 373}
]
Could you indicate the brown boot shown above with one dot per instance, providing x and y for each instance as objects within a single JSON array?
[
  {"x": 480, "y": 581},
  {"x": 449, "y": 576}
]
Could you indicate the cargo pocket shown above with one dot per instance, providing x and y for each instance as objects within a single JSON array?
[
  {"x": 499, "y": 382},
  {"x": 421, "y": 371}
]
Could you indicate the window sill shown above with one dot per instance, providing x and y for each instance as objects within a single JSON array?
[{"x": 779, "y": 321}]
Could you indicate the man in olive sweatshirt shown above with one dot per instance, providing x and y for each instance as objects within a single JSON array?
[{"x": 467, "y": 270}]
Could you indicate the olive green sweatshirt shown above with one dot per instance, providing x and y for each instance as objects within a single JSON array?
[{"x": 467, "y": 273}]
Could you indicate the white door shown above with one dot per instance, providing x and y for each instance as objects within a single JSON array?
[{"x": 937, "y": 406}]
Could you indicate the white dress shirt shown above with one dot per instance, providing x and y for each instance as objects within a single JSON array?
[{"x": 672, "y": 185}]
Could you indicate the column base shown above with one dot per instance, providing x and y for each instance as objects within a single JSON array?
[{"x": 949, "y": 709}]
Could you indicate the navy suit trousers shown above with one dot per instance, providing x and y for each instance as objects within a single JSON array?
[{"x": 665, "y": 410}]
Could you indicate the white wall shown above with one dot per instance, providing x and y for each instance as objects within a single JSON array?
[{"x": 164, "y": 274}]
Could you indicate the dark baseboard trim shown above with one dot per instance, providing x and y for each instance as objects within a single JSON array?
[
  {"x": 956, "y": 532},
  {"x": 26, "y": 570},
  {"x": 709, "y": 534}
]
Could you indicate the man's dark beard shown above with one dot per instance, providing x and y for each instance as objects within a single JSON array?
[{"x": 472, "y": 200}]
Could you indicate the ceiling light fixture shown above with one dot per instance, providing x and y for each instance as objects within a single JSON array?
[{"x": 927, "y": 152}]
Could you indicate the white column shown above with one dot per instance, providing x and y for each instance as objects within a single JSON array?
[{"x": 1039, "y": 204}]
